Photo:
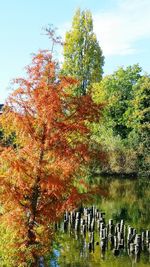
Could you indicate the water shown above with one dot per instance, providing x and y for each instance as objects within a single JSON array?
[{"x": 125, "y": 199}]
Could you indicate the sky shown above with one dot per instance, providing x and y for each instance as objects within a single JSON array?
[{"x": 122, "y": 28}]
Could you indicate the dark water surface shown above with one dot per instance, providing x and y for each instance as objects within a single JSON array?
[{"x": 128, "y": 200}]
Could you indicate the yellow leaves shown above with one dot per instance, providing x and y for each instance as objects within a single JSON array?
[{"x": 98, "y": 93}]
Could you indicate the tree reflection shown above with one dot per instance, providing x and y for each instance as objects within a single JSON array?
[{"x": 127, "y": 200}]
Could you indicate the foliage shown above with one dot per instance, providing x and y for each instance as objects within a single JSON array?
[
  {"x": 83, "y": 57},
  {"x": 117, "y": 91},
  {"x": 138, "y": 117},
  {"x": 51, "y": 146},
  {"x": 119, "y": 157},
  {"x": 124, "y": 131}
]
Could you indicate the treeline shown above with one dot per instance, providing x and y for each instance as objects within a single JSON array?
[{"x": 123, "y": 131}]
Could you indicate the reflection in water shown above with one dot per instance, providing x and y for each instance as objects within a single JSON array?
[{"x": 99, "y": 244}]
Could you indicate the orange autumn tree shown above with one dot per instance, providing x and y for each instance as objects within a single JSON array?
[{"x": 51, "y": 145}]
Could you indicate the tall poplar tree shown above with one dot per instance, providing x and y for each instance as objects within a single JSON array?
[{"x": 83, "y": 58}]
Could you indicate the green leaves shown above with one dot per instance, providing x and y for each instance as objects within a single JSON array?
[
  {"x": 126, "y": 115},
  {"x": 83, "y": 57},
  {"x": 117, "y": 90}
]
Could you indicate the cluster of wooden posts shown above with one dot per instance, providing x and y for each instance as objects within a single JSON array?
[{"x": 117, "y": 237}]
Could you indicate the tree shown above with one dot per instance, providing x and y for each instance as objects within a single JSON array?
[
  {"x": 138, "y": 119},
  {"x": 83, "y": 57},
  {"x": 117, "y": 91},
  {"x": 51, "y": 145}
]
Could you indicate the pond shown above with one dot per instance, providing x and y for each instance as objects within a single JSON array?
[{"x": 126, "y": 206}]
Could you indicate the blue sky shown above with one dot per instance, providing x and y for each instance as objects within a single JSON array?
[{"x": 122, "y": 28}]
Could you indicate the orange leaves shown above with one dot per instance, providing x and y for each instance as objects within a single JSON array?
[
  {"x": 51, "y": 144},
  {"x": 87, "y": 109},
  {"x": 18, "y": 91},
  {"x": 67, "y": 81},
  {"x": 51, "y": 183},
  {"x": 72, "y": 201}
]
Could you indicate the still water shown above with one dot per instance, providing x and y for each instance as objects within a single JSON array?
[{"x": 126, "y": 199}]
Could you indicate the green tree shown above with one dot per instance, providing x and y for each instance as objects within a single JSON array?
[
  {"x": 83, "y": 58},
  {"x": 117, "y": 91},
  {"x": 119, "y": 132},
  {"x": 138, "y": 117}
]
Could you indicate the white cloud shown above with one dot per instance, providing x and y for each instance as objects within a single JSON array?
[{"x": 120, "y": 28}]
